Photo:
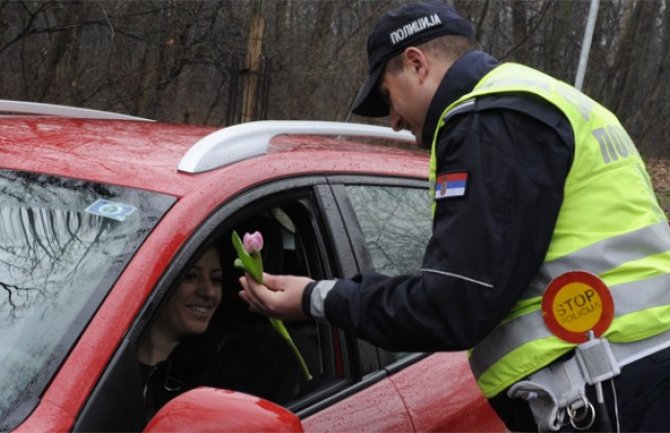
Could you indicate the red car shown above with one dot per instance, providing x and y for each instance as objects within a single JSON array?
[{"x": 100, "y": 215}]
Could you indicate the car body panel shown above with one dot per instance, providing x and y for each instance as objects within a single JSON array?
[
  {"x": 145, "y": 155},
  {"x": 379, "y": 405},
  {"x": 450, "y": 403},
  {"x": 48, "y": 416}
]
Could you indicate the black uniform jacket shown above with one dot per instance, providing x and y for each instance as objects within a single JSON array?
[{"x": 486, "y": 245}]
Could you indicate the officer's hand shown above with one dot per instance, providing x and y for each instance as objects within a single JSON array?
[{"x": 280, "y": 296}]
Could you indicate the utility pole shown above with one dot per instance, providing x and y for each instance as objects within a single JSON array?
[
  {"x": 586, "y": 43},
  {"x": 253, "y": 64}
]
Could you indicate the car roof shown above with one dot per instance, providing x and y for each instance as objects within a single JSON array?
[
  {"x": 130, "y": 153},
  {"x": 146, "y": 155}
]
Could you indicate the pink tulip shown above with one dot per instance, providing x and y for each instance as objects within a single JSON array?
[
  {"x": 249, "y": 259},
  {"x": 253, "y": 242}
]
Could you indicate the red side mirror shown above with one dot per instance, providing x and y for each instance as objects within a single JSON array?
[{"x": 218, "y": 410}]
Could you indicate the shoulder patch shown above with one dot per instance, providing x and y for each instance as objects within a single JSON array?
[{"x": 449, "y": 185}]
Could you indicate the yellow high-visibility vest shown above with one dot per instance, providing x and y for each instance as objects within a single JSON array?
[{"x": 609, "y": 224}]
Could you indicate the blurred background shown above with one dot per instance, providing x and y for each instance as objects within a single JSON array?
[{"x": 225, "y": 62}]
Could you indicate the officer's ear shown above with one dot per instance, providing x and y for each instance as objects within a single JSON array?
[{"x": 416, "y": 62}]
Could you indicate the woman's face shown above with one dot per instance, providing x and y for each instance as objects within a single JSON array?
[{"x": 193, "y": 304}]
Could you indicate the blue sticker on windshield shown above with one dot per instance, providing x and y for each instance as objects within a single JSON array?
[{"x": 110, "y": 209}]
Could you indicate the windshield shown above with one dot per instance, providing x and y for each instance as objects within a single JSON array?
[{"x": 63, "y": 244}]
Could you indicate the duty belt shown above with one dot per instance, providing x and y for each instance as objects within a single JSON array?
[{"x": 556, "y": 394}]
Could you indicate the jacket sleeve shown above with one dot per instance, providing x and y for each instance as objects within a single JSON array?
[{"x": 485, "y": 247}]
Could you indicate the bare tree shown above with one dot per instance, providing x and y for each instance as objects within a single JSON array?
[{"x": 184, "y": 61}]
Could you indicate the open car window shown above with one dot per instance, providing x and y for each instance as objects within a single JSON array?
[{"x": 294, "y": 243}]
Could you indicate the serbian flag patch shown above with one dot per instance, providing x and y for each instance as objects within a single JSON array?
[{"x": 451, "y": 185}]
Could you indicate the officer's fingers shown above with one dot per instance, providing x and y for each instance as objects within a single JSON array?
[
  {"x": 286, "y": 283},
  {"x": 279, "y": 296},
  {"x": 273, "y": 282},
  {"x": 250, "y": 294},
  {"x": 253, "y": 305},
  {"x": 286, "y": 299}
]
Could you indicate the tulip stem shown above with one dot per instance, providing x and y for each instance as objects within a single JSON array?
[{"x": 253, "y": 265}]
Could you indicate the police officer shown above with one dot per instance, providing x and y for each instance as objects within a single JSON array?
[{"x": 530, "y": 179}]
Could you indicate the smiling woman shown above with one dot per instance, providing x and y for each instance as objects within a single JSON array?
[
  {"x": 187, "y": 312},
  {"x": 185, "y": 315},
  {"x": 184, "y": 348}
]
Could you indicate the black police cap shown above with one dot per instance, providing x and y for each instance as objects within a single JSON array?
[{"x": 408, "y": 25}]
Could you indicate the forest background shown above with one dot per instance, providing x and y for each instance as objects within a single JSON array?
[{"x": 220, "y": 63}]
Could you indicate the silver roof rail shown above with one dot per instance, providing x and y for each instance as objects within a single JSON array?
[
  {"x": 43, "y": 109},
  {"x": 246, "y": 140}
]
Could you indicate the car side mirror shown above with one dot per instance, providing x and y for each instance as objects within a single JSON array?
[{"x": 219, "y": 410}]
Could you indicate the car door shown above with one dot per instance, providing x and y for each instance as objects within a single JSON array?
[
  {"x": 371, "y": 401},
  {"x": 350, "y": 391}
]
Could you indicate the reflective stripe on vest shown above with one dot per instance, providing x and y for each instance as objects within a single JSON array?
[
  {"x": 609, "y": 224},
  {"x": 628, "y": 297}
]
